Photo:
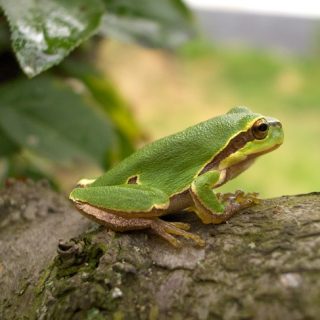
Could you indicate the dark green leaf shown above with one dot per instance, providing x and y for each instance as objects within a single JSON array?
[
  {"x": 163, "y": 23},
  {"x": 4, "y": 34},
  {"x": 44, "y": 32},
  {"x": 7, "y": 146},
  {"x": 106, "y": 95},
  {"x": 107, "y": 98},
  {"x": 44, "y": 116}
]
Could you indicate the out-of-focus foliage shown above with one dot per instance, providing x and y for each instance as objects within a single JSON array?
[
  {"x": 44, "y": 32},
  {"x": 34, "y": 116},
  {"x": 73, "y": 114},
  {"x": 165, "y": 23},
  {"x": 109, "y": 101}
]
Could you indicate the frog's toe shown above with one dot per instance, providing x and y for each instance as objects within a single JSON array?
[
  {"x": 161, "y": 231},
  {"x": 176, "y": 228},
  {"x": 238, "y": 200},
  {"x": 181, "y": 225},
  {"x": 167, "y": 236}
]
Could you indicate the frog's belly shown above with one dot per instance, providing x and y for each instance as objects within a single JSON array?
[{"x": 179, "y": 202}]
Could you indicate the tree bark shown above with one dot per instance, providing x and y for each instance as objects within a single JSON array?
[{"x": 263, "y": 264}]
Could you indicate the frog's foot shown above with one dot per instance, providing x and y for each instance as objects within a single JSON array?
[
  {"x": 237, "y": 201},
  {"x": 167, "y": 229},
  {"x": 232, "y": 203}
]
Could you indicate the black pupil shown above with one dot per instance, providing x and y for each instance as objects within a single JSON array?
[{"x": 263, "y": 127}]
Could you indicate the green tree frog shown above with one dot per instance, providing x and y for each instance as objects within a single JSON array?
[{"x": 179, "y": 172}]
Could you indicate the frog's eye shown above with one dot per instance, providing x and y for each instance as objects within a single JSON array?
[{"x": 260, "y": 129}]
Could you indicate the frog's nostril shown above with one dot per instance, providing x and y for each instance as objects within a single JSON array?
[
  {"x": 275, "y": 123},
  {"x": 278, "y": 124}
]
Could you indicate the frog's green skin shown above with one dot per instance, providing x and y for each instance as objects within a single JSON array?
[{"x": 179, "y": 172}]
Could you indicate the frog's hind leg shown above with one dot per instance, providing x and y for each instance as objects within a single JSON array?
[
  {"x": 129, "y": 200},
  {"x": 164, "y": 229}
]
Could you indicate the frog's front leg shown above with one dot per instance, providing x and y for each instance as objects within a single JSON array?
[{"x": 216, "y": 209}]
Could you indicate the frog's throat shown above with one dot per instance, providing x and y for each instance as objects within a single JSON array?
[
  {"x": 237, "y": 168},
  {"x": 234, "y": 145}
]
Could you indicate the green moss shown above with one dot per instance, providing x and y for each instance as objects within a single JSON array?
[
  {"x": 94, "y": 314},
  {"x": 67, "y": 279},
  {"x": 154, "y": 312},
  {"x": 84, "y": 260},
  {"x": 118, "y": 315},
  {"x": 43, "y": 278}
]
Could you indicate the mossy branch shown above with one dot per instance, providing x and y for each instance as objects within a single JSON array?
[{"x": 263, "y": 264}]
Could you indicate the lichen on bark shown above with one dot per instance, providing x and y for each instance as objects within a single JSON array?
[{"x": 263, "y": 264}]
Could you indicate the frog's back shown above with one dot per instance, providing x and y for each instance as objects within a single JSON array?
[{"x": 172, "y": 162}]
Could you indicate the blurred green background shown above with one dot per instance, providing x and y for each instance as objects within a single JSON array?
[
  {"x": 170, "y": 92},
  {"x": 112, "y": 94}
]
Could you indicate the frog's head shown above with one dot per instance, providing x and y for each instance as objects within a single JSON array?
[
  {"x": 264, "y": 135},
  {"x": 258, "y": 135}
]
